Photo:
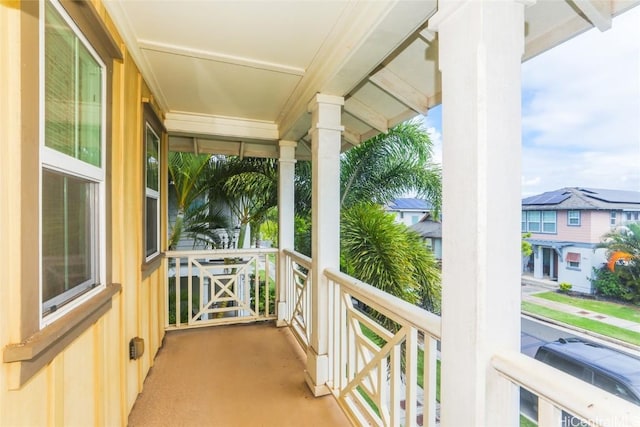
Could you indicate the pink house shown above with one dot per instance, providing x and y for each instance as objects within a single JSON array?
[{"x": 567, "y": 224}]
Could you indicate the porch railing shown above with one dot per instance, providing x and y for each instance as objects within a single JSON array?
[
  {"x": 220, "y": 287},
  {"x": 383, "y": 355},
  {"x": 563, "y": 400},
  {"x": 297, "y": 279}
]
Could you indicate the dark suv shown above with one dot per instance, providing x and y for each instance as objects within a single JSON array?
[{"x": 611, "y": 370}]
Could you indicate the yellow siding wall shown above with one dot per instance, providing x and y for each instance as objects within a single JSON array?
[{"x": 92, "y": 381}]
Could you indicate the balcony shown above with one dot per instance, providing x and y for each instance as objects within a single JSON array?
[{"x": 382, "y": 353}]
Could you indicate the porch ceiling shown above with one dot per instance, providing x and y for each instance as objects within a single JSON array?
[{"x": 236, "y": 76}]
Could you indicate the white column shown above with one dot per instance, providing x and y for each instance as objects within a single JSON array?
[
  {"x": 481, "y": 45},
  {"x": 325, "y": 134},
  {"x": 286, "y": 214},
  {"x": 538, "y": 262}
]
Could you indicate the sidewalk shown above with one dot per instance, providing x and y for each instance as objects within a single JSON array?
[{"x": 530, "y": 290}]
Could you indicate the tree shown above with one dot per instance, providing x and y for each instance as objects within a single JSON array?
[
  {"x": 185, "y": 171},
  {"x": 374, "y": 248},
  {"x": 247, "y": 186},
  {"x": 389, "y": 165},
  {"x": 623, "y": 255},
  {"x": 388, "y": 255}
]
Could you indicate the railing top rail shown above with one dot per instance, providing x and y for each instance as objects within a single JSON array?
[
  {"x": 220, "y": 252},
  {"x": 575, "y": 396},
  {"x": 298, "y": 257},
  {"x": 389, "y": 305}
]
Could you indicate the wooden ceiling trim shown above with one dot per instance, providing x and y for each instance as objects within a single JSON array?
[
  {"x": 219, "y": 57},
  {"x": 391, "y": 83},
  {"x": 366, "y": 114},
  {"x": 597, "y": 12}
]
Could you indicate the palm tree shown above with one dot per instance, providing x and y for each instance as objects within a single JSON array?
[
  {"x": 623, "y": 255},
  {"x": 374, "y": 248},
  {"x": 390, "y": 165},
  {"x": 185, "y": 170},
  {"x": 248, "y": 187},
  {"x": 386, "y": 254},
  {"x": 381, "y": 169}
]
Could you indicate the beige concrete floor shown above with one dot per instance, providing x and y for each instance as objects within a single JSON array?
[{"x": 244, "y": 375}]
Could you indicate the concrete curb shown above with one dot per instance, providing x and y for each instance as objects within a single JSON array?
[{"x": 582, "y": 331}]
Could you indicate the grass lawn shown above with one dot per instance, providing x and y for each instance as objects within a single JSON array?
[
  {"x": 526, "y": 422},
  {"x": 581, "y": 322},
  {"x": 612, "y": 309}
]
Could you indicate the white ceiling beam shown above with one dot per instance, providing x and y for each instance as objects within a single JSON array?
[
  {"x": 427, "y": 35},
  {"x": 366, "y": 114},
  {"x": 598, "y": 12},
  {"x": 192, "y": 124},
  {"x": 219, "y": 57},
  {"x": 351, "y": 137},
  {"x": 400, "y": 90}
]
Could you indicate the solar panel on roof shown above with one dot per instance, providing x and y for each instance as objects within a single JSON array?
[{"x": 548, "y": 198}]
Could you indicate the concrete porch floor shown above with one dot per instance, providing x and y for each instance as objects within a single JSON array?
[{"x": 243, "y": 375}]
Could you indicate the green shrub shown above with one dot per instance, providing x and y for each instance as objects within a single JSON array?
[{"x": 565, "y": 287}]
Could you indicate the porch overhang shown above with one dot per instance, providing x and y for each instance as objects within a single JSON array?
[{"x": 236, "y": 77}]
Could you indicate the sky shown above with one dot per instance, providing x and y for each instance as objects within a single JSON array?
[{"x": 580, "y": 112}]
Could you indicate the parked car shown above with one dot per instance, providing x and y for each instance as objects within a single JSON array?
[{"x": 611, "y": 370}]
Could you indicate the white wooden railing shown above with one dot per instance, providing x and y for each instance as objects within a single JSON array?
[
  {"x": 383, "y": 355},
  {"x": 220, "y": 287},
  {"x": 561, "y": 397},
  {"x": 297, "y": 287}
]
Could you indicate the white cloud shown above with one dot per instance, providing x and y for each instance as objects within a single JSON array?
[{"x": 581, "y": 111}]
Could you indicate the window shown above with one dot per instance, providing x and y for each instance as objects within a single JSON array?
[
  {"x": 415, "y": 219},
  {"x": 548, "y": 221},
  {"x": 71, "y": 164},
  {"x": 533, "y": 221},
  {"x": 538, "y": 221},
  {"x": 152, "y": 191},
  {"x": 573, "y": 260},
  {"x": 612, "y": 219},
  {"x": 573, "y": 218}
]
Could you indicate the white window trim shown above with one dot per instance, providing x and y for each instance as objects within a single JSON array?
[
  {"x": 569, "y": 218},
  {"x": 152, "y": 193},
  {"x": 56, "y": 161}
]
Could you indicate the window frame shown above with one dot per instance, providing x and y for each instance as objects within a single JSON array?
[
  {"x": 58, "y": 162},
  {"x": 151, "y": 193},
  {"x": 152, "y": 121},
  {"x": 530, "y": 214},
  {"x": 545, "y": 222},
  {"x": 613, "y": 218},
  {"x": 573, "y": 265},
  {"x": 569, "y": 218}
]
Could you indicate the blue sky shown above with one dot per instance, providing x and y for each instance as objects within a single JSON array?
[{"x": 580, "y": 112}]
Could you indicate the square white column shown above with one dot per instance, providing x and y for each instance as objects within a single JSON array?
[
  {"x": 481, "y": 45},
  {"x": 326, "y": 134},
  {"x": 286, "y": 217}
]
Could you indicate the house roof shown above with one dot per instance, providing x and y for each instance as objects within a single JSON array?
[
  {"x": 427, "y": 227},
  {"x": 579, "y": 198},
  {"x": 409, "y": 204},
  {"x": 236, "y": 77}
]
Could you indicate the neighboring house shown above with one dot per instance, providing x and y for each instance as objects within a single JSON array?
[
  {"x": 567, "y": 224},
  {"x": 408, "y": 211},
  {"x": 431, "y": 231}
]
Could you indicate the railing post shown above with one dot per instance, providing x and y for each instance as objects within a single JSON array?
[
  {"x": 286, "y": 212},
  {"x": 481, "y": 47},
  {"x": 326, "y": 134}
]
